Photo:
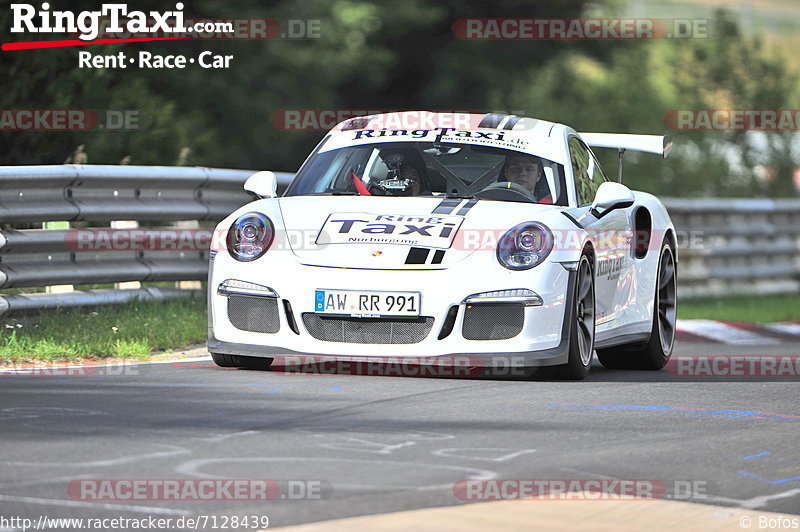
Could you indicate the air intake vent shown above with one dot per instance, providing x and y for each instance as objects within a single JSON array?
[
  {"x": 491, "y": 321},
  {"x": 254, "y": 313},
  {"x": 367, "y": 330}
]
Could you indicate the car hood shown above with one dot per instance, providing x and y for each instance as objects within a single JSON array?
[{"x": 390, "y": 233}]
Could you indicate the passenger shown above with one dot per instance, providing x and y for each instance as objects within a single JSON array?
[{"x": 406, "y": 175}]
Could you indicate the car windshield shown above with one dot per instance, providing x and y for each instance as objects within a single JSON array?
[{"x": 432, "y": 169}]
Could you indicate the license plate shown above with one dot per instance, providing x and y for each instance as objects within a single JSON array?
[{"x": 367, "y": 303}]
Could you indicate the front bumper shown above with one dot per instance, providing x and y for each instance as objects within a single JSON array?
[{"x": 543, "y": 340}]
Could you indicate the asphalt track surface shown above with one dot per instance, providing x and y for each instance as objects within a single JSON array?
[{"x": 370, "y": 445}]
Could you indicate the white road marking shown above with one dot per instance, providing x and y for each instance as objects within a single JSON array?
[
  {"x": 724, "y": 333},
  {"x": 226, "y": 436},
  {"x": 109, "y": 365},
  {"x": 100, "y": 463},
  {"x": 749, "y": 504},
  {"x": 193, "y": 468},
  {"x": 500, "y": 454},
  {"x": 103, "y": 506},
  {"x": 789, "y": 328},
  {"x": 37, "y": 482},
  {"x": 763, "y": 500}
]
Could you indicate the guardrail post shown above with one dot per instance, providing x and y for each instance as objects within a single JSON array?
[
  {"x": 126, "y": 224},
  {"x": 193, "y": 285},
  {"x": 57, "y": 288}
]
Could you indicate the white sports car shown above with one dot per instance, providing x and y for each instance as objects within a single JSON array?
[{"x": 436, "y": 235}]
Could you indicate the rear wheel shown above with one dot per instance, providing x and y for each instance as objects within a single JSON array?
[
  {"x": 237, "y": 361},
  {"x": 581, "y": 336},
  {"x": 656, "y": 352}
]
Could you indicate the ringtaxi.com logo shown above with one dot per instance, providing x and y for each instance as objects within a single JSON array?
[
  {"x": 87, "y": 24},
  {"x": 116, "y": 23}
]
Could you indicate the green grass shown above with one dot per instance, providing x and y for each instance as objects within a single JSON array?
[
  {"x": 137, "y": 329},
  {"x": 133, "y": 330},
  {"x": 754, "y": 309}
]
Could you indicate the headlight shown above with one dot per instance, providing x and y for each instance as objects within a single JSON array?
[
  {"x": 525, "y": 246},
  {"x": 250, "y": 236}
]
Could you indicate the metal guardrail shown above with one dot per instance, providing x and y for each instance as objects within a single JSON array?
[
  {"x": 727, "y": 246},
  {"x": 31, "y": 303},
  {"x": 99, "y": 193},
  {"x": 737, "y": 246}
]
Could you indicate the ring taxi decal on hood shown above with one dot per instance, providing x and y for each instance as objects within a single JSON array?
[{"x": 427, "y": 230}]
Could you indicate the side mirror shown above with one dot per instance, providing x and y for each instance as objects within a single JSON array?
[
  {"x": 262, "y": 184},
  {"x": 611, "y": 196}
]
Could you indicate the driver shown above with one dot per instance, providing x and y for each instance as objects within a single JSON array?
[{"x": 528, "y": 172}]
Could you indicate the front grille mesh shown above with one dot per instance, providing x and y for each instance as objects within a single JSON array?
[
  {"x": 493, "y": 321},
  {"x": 367, "y": 330},
  {"x": 254, "y": 313}
]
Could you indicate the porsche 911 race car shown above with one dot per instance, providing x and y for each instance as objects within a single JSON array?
[{"x": 435, "y": 235}]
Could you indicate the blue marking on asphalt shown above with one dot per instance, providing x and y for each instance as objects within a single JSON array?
[
  {"x": 336, "y": 388},
  {"x": 274, "y": 390},
  {"x": 755, "y": 455},
  {"x": 779, "y": 481},
  {"x": 630, "y": 407}
]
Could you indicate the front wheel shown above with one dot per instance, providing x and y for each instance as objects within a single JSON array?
[
  {"x": 581, "y": 335},
  {"x": 237, "y": 361},
  {"x": 656, "y": 352}
]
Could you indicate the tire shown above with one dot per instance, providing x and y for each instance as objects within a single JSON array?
[
  {"x": 237, "y": 361},
  {"x": 656, "y": 352},
  {"x": 581, "y": 333}
]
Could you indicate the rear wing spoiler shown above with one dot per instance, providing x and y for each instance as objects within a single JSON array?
[{"x": 658, "y": 144}]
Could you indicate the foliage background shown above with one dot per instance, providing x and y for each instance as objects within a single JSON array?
[{"x": 376, "y": 54}]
